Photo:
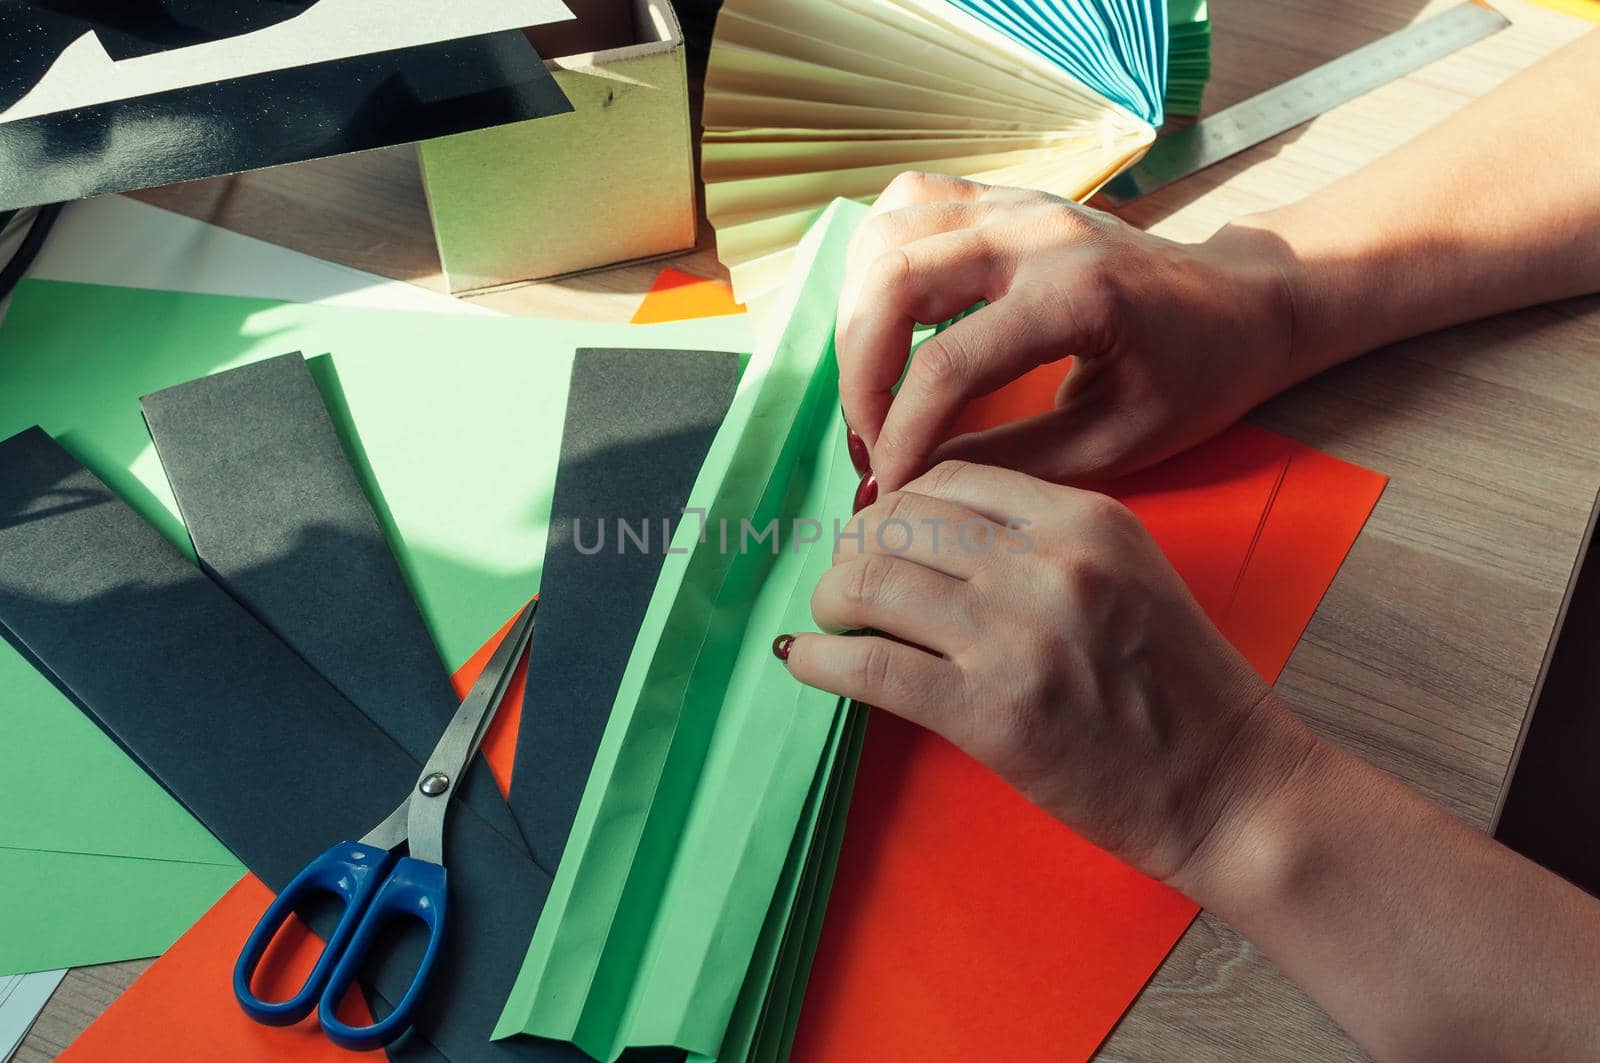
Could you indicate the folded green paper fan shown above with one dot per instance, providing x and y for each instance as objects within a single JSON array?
[{"x": 688, "y": 897}]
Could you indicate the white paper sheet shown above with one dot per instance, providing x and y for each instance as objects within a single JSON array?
[
  {"x": 22, "y": 997},
  {"x": 119, "y": 241}
]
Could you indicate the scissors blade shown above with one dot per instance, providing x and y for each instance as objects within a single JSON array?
[{"x": 461, "y": 739}]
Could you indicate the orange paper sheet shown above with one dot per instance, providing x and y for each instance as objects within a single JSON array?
[
  {"x": 500, "y": 743},
  {"x": 678, "y": 296},
  {"x": 182, "y": 1009}
]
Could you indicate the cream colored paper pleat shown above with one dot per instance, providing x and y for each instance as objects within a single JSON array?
[{"x": 808, "y": 100}]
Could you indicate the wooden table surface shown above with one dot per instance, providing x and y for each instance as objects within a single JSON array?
[{"x": 1423, "y": 656}]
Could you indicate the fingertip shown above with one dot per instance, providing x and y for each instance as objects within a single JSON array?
[
  {"x": 866, "y": 493},
  {"x": 890, "y": 469},
  {"x": 797, "y": 658},
  {"x": 860, "y": 458}
]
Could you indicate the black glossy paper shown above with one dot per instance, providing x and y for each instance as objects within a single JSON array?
[
  {"x": 243, "y": 123},
  {"x": 36, "y": 32},
  {"x": 266, "y": 753},
  {"x": 639, "y": 423},
  {"x": 280, "y": 521}
]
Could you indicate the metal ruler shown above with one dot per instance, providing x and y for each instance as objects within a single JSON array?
[{"x": 1300, "y": 99}]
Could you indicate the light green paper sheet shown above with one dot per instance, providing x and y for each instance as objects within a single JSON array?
[
  {"x": 461, "y": 420},
  {"x": 768, "y": 1011},
  {"x": 71, "y": 910},
  {"x": 97, "y": 862},
  {"x": 713, "y": 755}
]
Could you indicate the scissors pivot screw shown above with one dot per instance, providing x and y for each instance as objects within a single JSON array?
[{"x": 435, "y": 784}]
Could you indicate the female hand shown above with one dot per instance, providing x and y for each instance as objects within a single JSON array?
[
  {"x": 1040, "y": 629},
  {"x": 1174, "y": 341}
]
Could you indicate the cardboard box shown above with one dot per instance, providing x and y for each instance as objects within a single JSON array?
[{"x": 611, "y": 182}]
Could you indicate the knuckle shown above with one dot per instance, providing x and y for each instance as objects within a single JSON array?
[
  {"x": 908, "y": 186},
  {"x": 890, "y": 273},
  {"x": 866, "y": 582},
  {"x": 1058, "y": 579},
  {"x": 946, "y": 475},
  {"x": 824, "y": 606},
  {"x": 1062, "y": 222},
  {"x": 941, "y": 364},
  {"x": 887, "y": 507},
  {"x": 1085, "y": 582},
  {"x": 1104, "y": 514},
  {"x": 1021, "y": 713},
  {"x": 908, "y": 181},
  {"x": 1105, "y": 297},
  {"x": 873, "y": 667},
  {"x": 850, "y": 542},
  {"x": 895, "y": 507},
  {"x": 870, "y": 240}
]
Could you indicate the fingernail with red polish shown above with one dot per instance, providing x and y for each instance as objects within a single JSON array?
[
  {"x": 867, "y": 493},
  {"x": 858, "y": 452},
  {"x": 781, "y": 646}
]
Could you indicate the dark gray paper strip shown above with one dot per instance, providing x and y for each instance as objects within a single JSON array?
[
  {"x": 265, "y": 752},
  {"x": 639, "y": 423},
  {"x": 279, "y": 520}
]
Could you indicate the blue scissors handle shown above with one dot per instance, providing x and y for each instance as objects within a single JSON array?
[
  {"x": 348, "y": 871},
  {"x": 376, "y": 888},
  {"x": 414, "y": 889}
]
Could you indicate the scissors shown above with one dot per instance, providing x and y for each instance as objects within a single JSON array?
[{"x": 377, "y": 884}]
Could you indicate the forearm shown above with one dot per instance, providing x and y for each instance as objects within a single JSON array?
[
  {"x": 1496, "y": 208},
  {"x": 1422, "y": 937}
]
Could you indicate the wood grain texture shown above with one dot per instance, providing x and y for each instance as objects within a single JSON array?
[
  {"x": 78, "y": 1001},
  {"x": 1422, "y": 657}
]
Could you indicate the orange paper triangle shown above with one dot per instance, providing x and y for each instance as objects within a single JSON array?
[{"x": 679, "y": 296}]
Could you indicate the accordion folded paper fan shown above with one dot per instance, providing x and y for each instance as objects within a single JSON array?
[{"x": 807, "y": 100}]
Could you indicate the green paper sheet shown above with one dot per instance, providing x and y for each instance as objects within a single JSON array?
[
  {"x": 764, "y": 1020},
  {"x": 71, "y": 909},
  {"x": 662, "y": 924},
  {"x": 460, "y": 424},
  {"x": 97, "y": 862},
  {"x": 103, "y": 778}
]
